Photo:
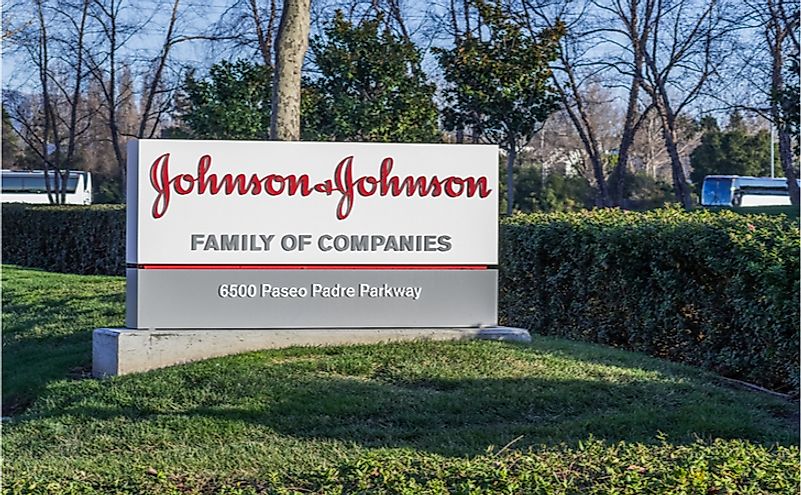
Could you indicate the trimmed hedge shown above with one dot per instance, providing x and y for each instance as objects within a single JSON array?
[
  {"x": 69, "y": 239},
  {"x": 594, "y": 467},
  {"x": 712, "y": 289}
]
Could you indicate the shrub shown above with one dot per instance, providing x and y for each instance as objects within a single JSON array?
[
  {"x": 712, "y": 289},
  {"x": 72, "y": 239}
]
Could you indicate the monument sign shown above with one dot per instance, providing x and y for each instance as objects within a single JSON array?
[
  {"x": 241, "y": 245},
  {"x": 232, "y": 234}
]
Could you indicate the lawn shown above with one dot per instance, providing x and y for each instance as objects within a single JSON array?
[{"x": 472, "y": 417}]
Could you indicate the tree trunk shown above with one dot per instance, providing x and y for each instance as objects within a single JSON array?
[
  {"x": 776, "y": 35},
  {"x": 786, "y": 158},
  {"x": 602, "y": 200},
  {"x": 627, "y": 139},
  {"x": 111, "y": 99},
  {"x": 638, "y": 36},
  {"x": 680, "y": 186},
  {"x": 511, "y": 155},
  {"x": 586, "y": 130},
  {"x": 622, "y": 168},
  {"x": 290, "y": 48},
  {"x": 49, "y": 122},
  {"x": 153, "y": 87}
]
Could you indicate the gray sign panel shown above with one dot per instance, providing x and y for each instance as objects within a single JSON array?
[{"x": 217, "y": 299}]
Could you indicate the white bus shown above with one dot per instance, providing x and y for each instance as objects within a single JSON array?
[
  {"x": 29, "y": 187},
  {"x": 741, "y": 191}
]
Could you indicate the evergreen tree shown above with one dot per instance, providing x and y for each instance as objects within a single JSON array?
[
  {"x": 369, "y": 87},
  {"x": 11, "y": 144},
  {"x": 733, "y": 151},
  {"x": 232, "y": 103},
  {"x": 500, "y": 85}
]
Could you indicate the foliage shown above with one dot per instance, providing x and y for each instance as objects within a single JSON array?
[
  {"x": 712, "y": 289},
  {"x": 107, "y": 189},
  {"x": 369, "y": 87},
  {"x": 396, "y": 418},
  {"x": 233, "y": 103},
  {"x": 500, "y": 85},
  {"x": 68, "y": 238},
  {"x": 535, "y": 191},
  {"x": 554, "y": 191},
  {"x": 643, "y": 192},
  {"x": 733, "y": 151},
  {"x": 789, "y": 211},
  {"x": 593, "y": 467},
  {"x": 10, "y": 141}
]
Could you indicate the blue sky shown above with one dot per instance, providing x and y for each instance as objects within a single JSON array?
[{"x": 200, "y": 15}]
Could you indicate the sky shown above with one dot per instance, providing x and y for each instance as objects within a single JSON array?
[{"x": 199, "y": 17}]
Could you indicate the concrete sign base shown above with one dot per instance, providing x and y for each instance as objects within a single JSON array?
[{"x": 120, "y": 351}]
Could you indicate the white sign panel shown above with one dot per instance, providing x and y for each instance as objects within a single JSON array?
[{"x": 299, "y": 203}]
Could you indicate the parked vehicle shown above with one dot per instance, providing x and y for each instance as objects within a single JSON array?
[
  {"x": 29, "y": 187},
  {"x": 740, "y": 191}
]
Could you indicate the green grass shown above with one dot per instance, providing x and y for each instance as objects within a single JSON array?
[
  {"x": 400, "y": 418},
  {"x": 48, "y": 320}
]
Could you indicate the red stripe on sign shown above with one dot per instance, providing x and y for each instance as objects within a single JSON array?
[{"x": 312, "y": 267}]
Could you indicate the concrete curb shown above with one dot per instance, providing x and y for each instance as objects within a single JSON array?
[{"x": 121, "y": 351}]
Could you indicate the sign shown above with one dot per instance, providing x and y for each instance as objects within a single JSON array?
[
  {"x": 246, "y": 202},
  {"x": 245, "y": 234},
  {"x": 257, "y": 298}
]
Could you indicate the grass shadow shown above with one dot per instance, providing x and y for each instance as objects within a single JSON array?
[
  {"x": 466, "y": 417},
  {"x": 47, "y": 324},
  {"x": 444, "y": 398}
]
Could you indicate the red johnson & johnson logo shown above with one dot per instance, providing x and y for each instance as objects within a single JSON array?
[{"x": 291, "y": 185}]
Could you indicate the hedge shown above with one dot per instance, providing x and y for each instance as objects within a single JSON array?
[
  {"x": 713, "y": 289},
  {"x": 718, "y": 290},
  {"x": 69, "y": 239}
]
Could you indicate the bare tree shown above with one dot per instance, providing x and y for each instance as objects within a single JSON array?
[
  {"x": 756, "y": 77},
  {"x": 156, "y": 95},
  {"x": 648, "y": 152},
  {"x": 17, "y": 18},
  {"x": 151, "y": 113},
  {"x": 291, "y": 45},
  {"x": 570, "y": 83},
  {"x": 634, "y": 18},
  {"x": 105, "y": 66},
  {"x": 781, "y": 33},
  {"x": 688, "y": 41},
  {"x": 97, "y": 148},
  {"x": 558, "y": 147},
  {"x": 620, "y": 28},
  {"x": 247, "y": 25},
  {"x": 55, "y": 46}
]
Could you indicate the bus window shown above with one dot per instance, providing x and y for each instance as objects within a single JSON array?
[
  {"x": 12, "y": 184},
  {"x": 716, "y": 191},
  {"x": 37, "y": 184},
  {"x": 30, "y": 187}
]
